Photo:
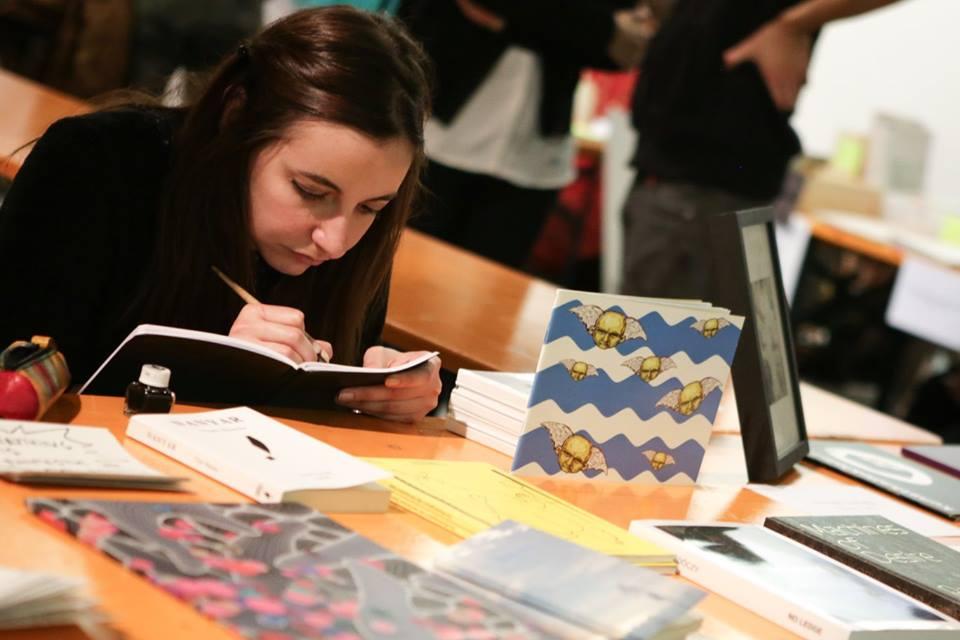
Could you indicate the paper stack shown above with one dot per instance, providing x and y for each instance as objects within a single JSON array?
[
  {"x": 29, "y": 599},
  {"x": 467, "y": 497},
  {"x": 490, "y": 407}
]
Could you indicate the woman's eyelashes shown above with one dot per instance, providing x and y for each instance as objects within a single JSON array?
[
  {"x": 306, "y": 194},
  {"x": 320, "y": 196},
  {"x": 365, "y": 208}
]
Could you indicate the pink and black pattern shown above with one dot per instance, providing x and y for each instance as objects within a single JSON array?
[{"x": 281, "y": 571}]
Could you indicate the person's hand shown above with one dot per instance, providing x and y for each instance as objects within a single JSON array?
[
  {"x": 782, "y": 54},
  {"x": 280, "y": 329},
  {"x": 405, "y": 397},
  {"x": 481, "y": 16},
  {"x": 633, "y": 30}
]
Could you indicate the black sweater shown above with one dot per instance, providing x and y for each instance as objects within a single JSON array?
[
  {"x": 702, "y": 123},
  {"x": 77, "y": 234}
]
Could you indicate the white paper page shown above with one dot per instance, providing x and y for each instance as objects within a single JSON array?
[
  {"x": 793, "y": 238},
  {"x": 50, "y": 448},
  {"x": 836, "y": 499},
  {"x": 931, "y": 247},
  {"x": 723, "y": 463},
  {"x": 325, "y": 366},
  {"x": 926, "y": 302},
  {"x": 25, "y": 595}
]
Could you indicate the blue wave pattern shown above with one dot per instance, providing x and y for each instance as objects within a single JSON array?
[
  {"x": 662, "y": 338},
  {"x": 609, "y": 397},
  {"x": 628, "y": 460}
]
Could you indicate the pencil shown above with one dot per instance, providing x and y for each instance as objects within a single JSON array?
[{"x": 248, "y": 297}]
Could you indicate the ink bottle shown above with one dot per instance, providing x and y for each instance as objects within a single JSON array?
[{"x": 151, "y": 393}]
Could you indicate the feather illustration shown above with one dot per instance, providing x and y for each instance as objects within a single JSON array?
[{"x": 260, "y": 445}]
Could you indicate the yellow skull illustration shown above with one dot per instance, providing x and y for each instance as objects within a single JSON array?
[
  {"x": 690, "y": 398},
  {"x": 658, "y": 460},
  {"x": 574, "y": 453},
  {"x": 649, "y": 368},
  {"x": 579, "y": 371},
  {"x": 710, "y": 327},
  {"x": 609, "y": 330}
]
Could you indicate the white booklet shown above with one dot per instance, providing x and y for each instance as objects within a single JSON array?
[
  {"x": 789, "y": 584},
  {"x": 51, "y": 453},
  {"x": 265, "y": 459}
]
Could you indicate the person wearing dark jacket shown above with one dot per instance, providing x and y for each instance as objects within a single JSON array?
[
  {"x": 293, "y": 173},
  {"x": 712, "y": 109},
  {"x": 499, "y": 143}
]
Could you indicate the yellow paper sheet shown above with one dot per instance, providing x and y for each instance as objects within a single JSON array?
[{"x": 468, "y": 497}]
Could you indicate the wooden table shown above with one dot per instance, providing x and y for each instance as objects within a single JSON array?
[
  {"x": 144, "y": 612},
  {"x": 478, "y": 314},
  {"x": 28, "y": 109},
  {"x": 880, "y": 251}
]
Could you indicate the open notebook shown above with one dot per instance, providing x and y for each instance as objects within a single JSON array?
[{"x": 210, "y": 367}]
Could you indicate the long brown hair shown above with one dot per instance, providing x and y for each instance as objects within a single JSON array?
[{"x": 335, "y": 64}]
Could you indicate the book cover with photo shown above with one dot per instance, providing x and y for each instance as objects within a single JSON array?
[
  {"x": 281, "y": 570},
  {"x": 626, "y": 388},
  {"x": 606, "y": 595},
  {"x": 799, "y": 589}
]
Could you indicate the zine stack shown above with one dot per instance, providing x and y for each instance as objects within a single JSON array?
[
  {"x": 29, "y": 599},
  {"x": 490, "y": 407}
]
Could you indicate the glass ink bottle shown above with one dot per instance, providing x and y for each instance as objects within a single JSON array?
[{"x": 151, "y": 393}]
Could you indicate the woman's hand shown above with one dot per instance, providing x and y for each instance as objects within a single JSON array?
[
  {"x": 280, "y": 329},
  {"x": 405, "y": 397}
]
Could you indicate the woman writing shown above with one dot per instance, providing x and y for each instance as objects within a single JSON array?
[{"x": 294, "y": 173}]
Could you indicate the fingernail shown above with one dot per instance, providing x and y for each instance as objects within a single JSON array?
[
  {"x": 391, "y": 382},
  {"x": 345, "y": 396}
]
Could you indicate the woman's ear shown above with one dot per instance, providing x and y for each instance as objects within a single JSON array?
[{"x": 236, "y": 99}]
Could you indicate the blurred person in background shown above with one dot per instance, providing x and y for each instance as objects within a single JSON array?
[
  {"x": 499, "y": 142},
  {"x": 712, "y": 108}
]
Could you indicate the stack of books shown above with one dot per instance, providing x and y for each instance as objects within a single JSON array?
[{"x": 490, "y": 407}]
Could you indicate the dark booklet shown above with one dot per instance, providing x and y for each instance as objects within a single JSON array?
[
  {"x": 209, "y": 367},
  {"x": 281, "y": 571},
  {"x": 946, "y": 458},
  {"x": 909, "y": 480},
  {"x": 896, "y": 556}
]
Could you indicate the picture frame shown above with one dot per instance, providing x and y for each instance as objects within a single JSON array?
[{"x": 764, "y": 370}]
